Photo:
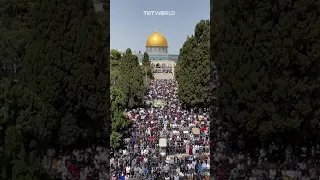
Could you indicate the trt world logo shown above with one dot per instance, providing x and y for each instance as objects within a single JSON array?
[{"x": 159, "y": 13}]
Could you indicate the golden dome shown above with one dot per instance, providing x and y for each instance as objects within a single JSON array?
[{"x": 157, "y": 39}]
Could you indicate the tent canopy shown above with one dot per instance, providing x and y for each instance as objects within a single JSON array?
[
  {"x": 195, "y": 130},
  {"x": 163, "y": 142},
  {"x": 175, "y": 132}
]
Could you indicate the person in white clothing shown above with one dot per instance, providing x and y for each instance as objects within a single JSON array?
[
  {"x": 193, "y": 149},
  {"x": 128, "y": 169},
  {"x": 127, "y": 177},
  {"x": 272, "y": 173}
]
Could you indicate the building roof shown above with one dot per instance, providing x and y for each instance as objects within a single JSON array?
[{"x": 156, "y": 40}]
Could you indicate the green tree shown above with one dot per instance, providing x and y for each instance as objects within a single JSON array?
[
  {"x": 26, "y": 125},
  {"x": 103, "y": 18},
  {"x": 146, "y": 65},
  {"x": 118, "y": 101},
  {"x": 14, "y": 35},
  {"x": 65, "y": 65},
  {"x": 115, "y": 140},
  {"x": 145, "y": 59},
  {"x": 60, "y": 96},
  {"x": 193, "y": 67},
  {"x": 115, "y": 57},
  {"x": 22, "y": 118},
  {"x": 131, "y": 76},
  {"x": 266, "y": 56}
]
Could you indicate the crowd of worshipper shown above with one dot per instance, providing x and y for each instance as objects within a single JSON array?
[
  {"x": 166, "y": 142},
  {"x": 184, "y": 154},
  {"x": 82, "y": 164},
  {"x": 277, "y": 160},
  {"x": 234, "y": 158}
]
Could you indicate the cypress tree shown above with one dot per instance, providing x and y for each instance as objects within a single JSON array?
[
  {"x": 146, "y": 63},
  {"x": 65, "y": 65},
  {"x": 145, "y": 59},
  {"x": 131, "y": 76},
  {"x": 193, "y": 67},
  {"x": 267, "y": 61},
  {"x": 14, "y": 35}
]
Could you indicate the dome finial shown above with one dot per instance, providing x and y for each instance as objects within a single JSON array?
[{"x": 156, "y": 29}]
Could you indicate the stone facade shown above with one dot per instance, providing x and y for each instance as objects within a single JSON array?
[{"x": 163, "y": 65}]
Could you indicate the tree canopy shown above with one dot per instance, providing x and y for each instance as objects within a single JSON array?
[
  {"x": 146, "y": 63},
  {"x": 131, "y": 79},
  {"x": 266, "y": 54},
  {"x": 54, "y": 82},
  {"x": 127, "y": 90},
  {"x": 193, "y": 67},
  {"x": 145, "y": 60},
  {"x": 66, "y": 66},
  {"x": 14, "y": 35}
]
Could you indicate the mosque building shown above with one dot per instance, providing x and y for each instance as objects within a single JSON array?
[{"x": 162, "y": 62}]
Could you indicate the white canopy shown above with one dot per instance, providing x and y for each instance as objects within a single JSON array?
[
  {"x": 163, "y": 142},
  {"x": 175, "y": 132}
]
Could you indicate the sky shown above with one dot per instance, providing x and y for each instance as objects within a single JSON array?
[{"x": 130, "y": 28}]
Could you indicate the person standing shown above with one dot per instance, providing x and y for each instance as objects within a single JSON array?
[
  {"x": 187, "y": 148},
  {"x": 122, "y": 177},
  {"x": 190, "y": 150}
]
